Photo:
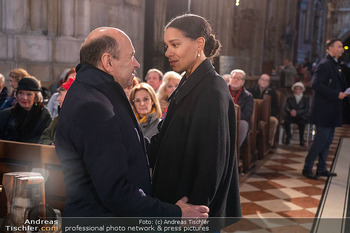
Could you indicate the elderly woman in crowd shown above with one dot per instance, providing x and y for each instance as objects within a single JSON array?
[
  {"x": 146, "y": 106},
  {"x": 49, "y": 135},
  {"x": 296, "y": 109},
  {"x": 171, "y": 80},
  {"x": 27, "y": 120},
  {"x": 15, "y": 76}
]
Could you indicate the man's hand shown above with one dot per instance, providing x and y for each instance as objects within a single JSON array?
[
  {"x": 342, "y": 95},
  {"x": 293, "y": 113},
  {"x": 192, "y": 211}
]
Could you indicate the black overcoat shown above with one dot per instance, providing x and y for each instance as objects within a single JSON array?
[
  {"x": 302, "y": 108},
  {"x": 196, "y": 154},
  {"x": 101, "y": 148},
  {"x": 327, "y": 82}
]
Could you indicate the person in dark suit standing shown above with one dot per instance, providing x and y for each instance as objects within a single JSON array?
[
  {"x": 296, "y": 110},
  {"x": 99, "y": 141},
  {"x": 326, "y": 109}
]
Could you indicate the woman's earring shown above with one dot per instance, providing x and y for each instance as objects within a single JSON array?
[{"x": 198, "y": 55}]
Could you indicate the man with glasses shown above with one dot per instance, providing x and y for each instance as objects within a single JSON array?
[
  {"x": 264, "y": 88},
  {"x": 244, "y": 99},
  {"x": 99, "y": 142}
]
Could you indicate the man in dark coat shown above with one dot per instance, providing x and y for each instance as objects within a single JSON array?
[
  {"x": 326, "y": 109},
  {"x": 264, "y": 88},
  {"x": 99, "y": 142},
  {"x": 244, "y": 99}
]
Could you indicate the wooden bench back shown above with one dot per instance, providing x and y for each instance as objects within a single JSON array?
[{"x": 28, "y": 157}]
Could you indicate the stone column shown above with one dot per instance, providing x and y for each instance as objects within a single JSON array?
[
  {"x": 15, "y": 17},
  {"x": 82, "y": 16},
  {"x": 67, "y": 17},
  {"x": 38, "y": 16}
]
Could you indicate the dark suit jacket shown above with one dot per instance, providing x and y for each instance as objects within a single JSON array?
[
  {"x": 196, "y": 145},
  {"x": 327, "y": 82},
  {"x": 257, "y": 94},
  {"x": 101, "y": 148},
  {"x": 246, "y": 102}
]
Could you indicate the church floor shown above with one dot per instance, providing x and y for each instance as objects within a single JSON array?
[{"x": 276, "y": 197}]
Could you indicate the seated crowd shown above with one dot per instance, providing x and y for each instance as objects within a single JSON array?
[{"x": 25, "y": 118}]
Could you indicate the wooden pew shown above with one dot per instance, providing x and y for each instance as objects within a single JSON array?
[
  {"x": 264, "y": 112},
  {"x": 27, "y": 157},
  {"x": 248, "y": 148}
]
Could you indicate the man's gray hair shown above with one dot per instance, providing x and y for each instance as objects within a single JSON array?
[{"x": 238, "y": 71}]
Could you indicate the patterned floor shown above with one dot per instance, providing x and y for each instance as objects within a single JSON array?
[{"x": 276, "y": 197}]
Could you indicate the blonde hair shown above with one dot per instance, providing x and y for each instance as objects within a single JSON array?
[
  {"x": 151, "y": 92},
  {"x": 166, "y": 79},
  {"x": 18, "y": 73}
]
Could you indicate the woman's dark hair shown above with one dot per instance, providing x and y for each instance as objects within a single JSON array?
[
  {"x": 92, "y": 52},
  {"x": 195, "y": 26}
]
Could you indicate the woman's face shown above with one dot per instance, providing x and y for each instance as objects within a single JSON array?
[
  {"x": 13, "y": 83},
  {"x": 171, "y": 86},
  {"x": 61, "y": 96},
  {"x": 181, "y": 51},
  {"x": 26, "y": 99},
  {"x": 143, "y": 102}
]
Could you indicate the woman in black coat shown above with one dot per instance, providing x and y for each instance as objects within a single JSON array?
[
  {"x": 195, "y": 154},
  {"x": 27, "y": 120}
]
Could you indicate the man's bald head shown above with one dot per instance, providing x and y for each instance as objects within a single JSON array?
[
  {"x": 104, "y": 31},
  {"x": 101, "y": 40}
]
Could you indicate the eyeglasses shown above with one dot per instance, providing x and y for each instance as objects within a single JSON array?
[
  {"x": 144, "y": 100},
  {"x": 265, "y": 80},
  {"x": 237, "y": 78}
]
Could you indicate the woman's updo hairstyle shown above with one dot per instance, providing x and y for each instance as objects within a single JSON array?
[{"x": 195, "y": 26}]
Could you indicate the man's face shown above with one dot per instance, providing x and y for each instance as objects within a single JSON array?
[
  {"x": 264, "y": 81},
  {"x": 336, "y": 50},
  {"x": 237, "y": 81},
  {"x": 153, "y": 80},
  {"x": 124, "y": 66},
  {"x": 286, "y": 62}
]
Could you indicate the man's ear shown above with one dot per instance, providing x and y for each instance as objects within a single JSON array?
[{"x": 106, "y": 63}]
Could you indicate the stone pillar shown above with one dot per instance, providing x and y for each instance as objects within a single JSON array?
[
  {"x": 67, "y": 17},
  {"x": 38, "y": 16},
  {"x": 15, "y": 18},
  {"x": 52, "y": 17},
  {"x": 82, "y": 16}
]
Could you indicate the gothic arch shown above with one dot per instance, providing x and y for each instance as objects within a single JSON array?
[{"x": 344, "y": 36}]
